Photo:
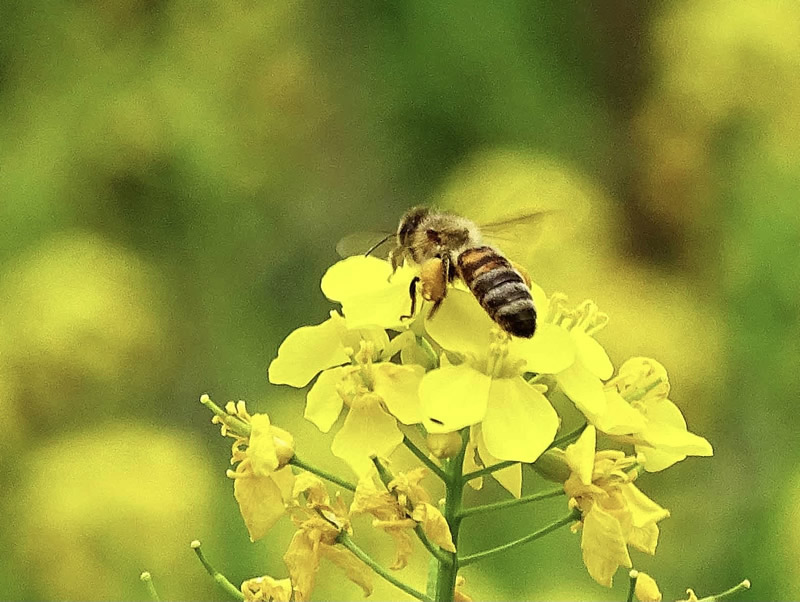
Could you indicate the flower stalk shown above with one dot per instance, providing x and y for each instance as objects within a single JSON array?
[
  {"x": 147, "y": 579},
  {"x": 534, "y": 497},
  {"x": 348, "y": 543},
  {"x": 472, "y": 558},
  {"x": 221, "y": 580}
]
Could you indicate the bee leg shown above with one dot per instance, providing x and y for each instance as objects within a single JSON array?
[
  {"x": 435, "y": 308},
  {"x": 522, "y": 272},
  {"x": 412, "y": 290}
]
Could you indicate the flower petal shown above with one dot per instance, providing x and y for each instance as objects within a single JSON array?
[
  {"x": 302, "y": 560},
  {"x": 398, "y": 386},
  {"x": 509, "y": 478},
  {"x": 355, "y": 570},
  {"x": 603, "y": 545},
  {"x": 435, "y": 525},
  {"x": 583, "y": 388},
  {"x": 550, "y": 350},
  {"x": 592, "y": 354},
  {"x": 323, "y": 402},
  {"x": 368, "y": 291},
  {"x": 307, "y": 351},
  {"x": 367, "y": 431},
  {"x": 520, "y": 423},
  {"x": 260, "y": 502},
  {"x": 620, "y": 418},
  {"x": 261, "y": 446},
  {"x": 461, "y": 324},
  {"x": 580, "y": 455},
  {"x": 453, "y": 397}
]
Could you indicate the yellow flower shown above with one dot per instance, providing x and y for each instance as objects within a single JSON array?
[
  {"x": 377, "y": 392},
  {"x": 262, "y": 481},
  {"x": 400, "y": 509},
  {"x": 615, "y": 513},
  {"x": 646, "y": 588},
  {"x": 319, "y": 522},
  {"x": 370, "y": 294},
  {"x": 266, "y": 589},
  {"x": 517, "y": 420},
  {"x": 582, "y": 380},
  {"x": 640, "y": 413}
]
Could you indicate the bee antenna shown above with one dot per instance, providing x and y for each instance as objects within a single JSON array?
[{"x": 377, "y": 244}]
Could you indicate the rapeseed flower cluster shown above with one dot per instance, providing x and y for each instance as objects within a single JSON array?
[{"x": 484, "y": 402}]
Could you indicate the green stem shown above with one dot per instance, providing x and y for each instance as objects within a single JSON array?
[
  {"x": 471, "y": 558},
  {"x": 221, "y": 579},
  {"x": 634, "y": 576},
  {"x": 348, "y": 543},
  {"x": 534, "y": 497},
  {"x": 387, "y": 477},
  {"x": 147, "y": 579},
  {"x": 569, "y": 437},
  {"x": 729, "y": 592},
  {"x": 489, "y": 469},
  {"x": 295, "y": 461},
  {"x": 423, "y": 457},
  {"x": 454, "y": 484}
]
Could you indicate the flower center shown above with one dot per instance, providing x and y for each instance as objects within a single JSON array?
[
  {"x": 586, "y": 317},
  {"x": 497, "y": 362}
]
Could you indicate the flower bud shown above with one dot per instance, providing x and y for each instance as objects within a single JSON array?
[
  {"x": 552, "y": 465},
  {"x": 444, "y": 445}
]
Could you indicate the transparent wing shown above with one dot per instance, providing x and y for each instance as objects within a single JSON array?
[
  {"x": 377, "y": 243},
  {"x": 519, "y": 230}
]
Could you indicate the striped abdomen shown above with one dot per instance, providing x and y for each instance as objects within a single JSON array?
[{"x": 500, "y": 290}]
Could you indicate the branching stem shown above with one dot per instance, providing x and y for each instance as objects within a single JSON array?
[
  {"x": 348, "y": 543},
  {"x": 295, "y": 461},
  {"x": 423, "y": 457},
  {"x": 534, "y": 497},
  {"x": 471, "y": 558}
]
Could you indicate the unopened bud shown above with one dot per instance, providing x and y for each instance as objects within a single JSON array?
[
  {"x": 553, "y": 466},
  {"x": 444, "y": 445}
]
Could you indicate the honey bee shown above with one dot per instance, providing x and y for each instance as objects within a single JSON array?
[{"x": 447, "y": 246}]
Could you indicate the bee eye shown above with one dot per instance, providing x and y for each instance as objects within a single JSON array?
[{"x": 433, "y": 236}]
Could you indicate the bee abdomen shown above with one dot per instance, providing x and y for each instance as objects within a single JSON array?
[{"x": 500, "y": 290}]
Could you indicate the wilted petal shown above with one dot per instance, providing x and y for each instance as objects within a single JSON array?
[
  {"x": 461, "y": 324},
  {"x": 603, "y": 545},
  {"x": 302, "y": 560},
  {"x": 453, "y": 397},
  {"x": 644, "y": 538},
  {"x": 367, "y": 431},
  {"x": 354, "y": 569},
  {"x": 583, "y": 388},
  {"x": 323, "y": 402},
  {"x": 520, "y": 423},
  {"x": 267, "y": 588},
  {"x": 550, "y": 350},
  {"x": 592, "y": 355},
  {"x": 642, "y": 509},
  {"x": 435, "y": 525},
  {"x": 309, "y": 350},
  {"x": 398, "y": 386},
  {"x": 260, "y": 502}
]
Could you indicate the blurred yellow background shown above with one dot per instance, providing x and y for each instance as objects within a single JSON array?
[{"x": 174, "y": 177}]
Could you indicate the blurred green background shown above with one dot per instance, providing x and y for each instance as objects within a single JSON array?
[{"x": 174, "y": 176}]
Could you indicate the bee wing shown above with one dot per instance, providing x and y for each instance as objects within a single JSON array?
[
  {"x": 377, "y": 244},
  {"x": 518, "y": 230}
]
